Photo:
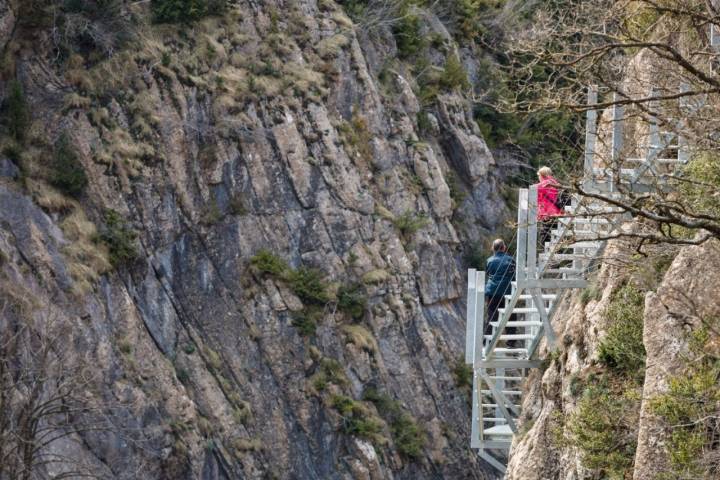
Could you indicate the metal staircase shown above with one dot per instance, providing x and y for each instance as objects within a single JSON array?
[{"x": 501, "y": 360}]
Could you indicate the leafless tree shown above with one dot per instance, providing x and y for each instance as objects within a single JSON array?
[
  {"x": 655, "y": 66},
  {"x": 45, "y": 393}
]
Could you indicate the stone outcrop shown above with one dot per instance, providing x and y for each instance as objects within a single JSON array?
[{"x": 686, "y": 293}]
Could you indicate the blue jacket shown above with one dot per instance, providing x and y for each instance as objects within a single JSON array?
[{"x": 499, "y": 272}]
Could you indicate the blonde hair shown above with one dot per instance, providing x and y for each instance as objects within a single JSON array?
[{"x": 545, "y": 172}]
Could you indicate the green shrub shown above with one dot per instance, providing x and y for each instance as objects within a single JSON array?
[
  {"x": 355, "y": 9},
  {"x": 408, "y": 436},
  {"x": 454, "y": 75},
  {"x": 407, "y": 33},
  {"x": 173, "y": 11},
  {"x": 409, "y": 223},
  {"x": 67, "y": 173},
  {"x": 690, "y": 408},
  {"x": 463, "y": 374},
  {"x": 16, "y": 111},
  {"x": 306, "y": 320},
  {"x": 357, "y": 419},
  {"x": 699, "y": 193},
  {"x": 267, "y": 262},
  {"x": 356, "y": 136},
  {"x": 475, "y": 255},
  {"x": 457, "y": 192},
  {"x": 590, "y": 293},
  {"x": 622, "y": 347},
  {"x": 183, "y": 376},
  {"x": 308, "y": 284},
  {"x": 423, "y": 122},
  {"x": 329, "y": 371},
  {"x": 352, "y": 300},
  {"x": 604, "y": 428},
  {"x": 119, "y": 238}
]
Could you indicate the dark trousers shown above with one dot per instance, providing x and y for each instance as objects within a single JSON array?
[
  {"x": 544, "y": 234},
  {"x": 492, "y": 304}
]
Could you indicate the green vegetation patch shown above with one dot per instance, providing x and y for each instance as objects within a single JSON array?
[
  {"x": 17, "y": 112},
  {"x": 408, "y": 436},
  {"x": 267, "y": 262},
  {"x": 308, "y": 284},
  {"x": 352, "y": 300},
  {"x": 463, "y": 374},
  {"x": 358, "y": 419},
  {"x": 120, "y": 239},
  {"x": 622, "y": 347},
  {"x": 67, "y": 173},
  {"x": 408, "y": 32},
  {"x": 175, "y": 11},
  {"x": 604, "y": 426},
  {"x": 307, "y": 319},
  {"x": 699, "y": 191},
  {"x": 409, "y": 223},
  {"x": 690, "y": 410}
]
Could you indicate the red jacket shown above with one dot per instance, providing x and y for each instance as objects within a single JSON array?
[{"x": 547, "y": 194}]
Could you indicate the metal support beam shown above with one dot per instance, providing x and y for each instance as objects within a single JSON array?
[
  {"x": 470, "y": 317},
  {"x": 479, "y": 316},
  {"x": 591, "y": 132},
  {"x": 502, "y": 402},
  {"x": 532, "y": 235},
  {"x": 521, "y": 254},
  {"x": 477, "y": 423},
  {"x": 549, "y": 332},
  {"x": 617, "y": 142},
  {"x": 492, "y": 461}
]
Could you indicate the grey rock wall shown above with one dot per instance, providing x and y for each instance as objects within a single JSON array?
[{"x": 196, "y": 351}]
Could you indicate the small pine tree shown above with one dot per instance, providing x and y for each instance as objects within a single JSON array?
[
  {"x": 18, "y": 115},
  {"x": 68, "y": 174},
  {"x": 174, "y": 11}
]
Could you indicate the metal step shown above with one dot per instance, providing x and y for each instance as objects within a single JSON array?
[
  {"x": 499, "y": 431},
  {"x": 547, "y": 296},
  {"x": 510, "y": 350},
  {"x": 494, "y": 419},
  {"x": 505, "y": 392},
  {"x": 521, "y": 323},
  {"x": 580, "y": 244},
  {"x": 519, "y": 310},
  {"x": 592, "y": 220},
  {"x": 569, "y": 271},
  {"x": 495, "y": 405},
  {"x": 561, "y": 257},
  {"x": 502, "y": 377},
  {"x": 513, "y": 337}
]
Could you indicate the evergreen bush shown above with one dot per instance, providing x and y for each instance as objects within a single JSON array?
[
  {"x": 67, "y": 173},
  {"x": 352, "y": 300},
  {"x": 17, "y": 112},
  {"x": 175, "y": 11},
  {"x": 120, "y": 239},
  {"x": 267, "y": 262},
  {"x": 409, "y": 437},
  {"x": 622, "y": 348}
]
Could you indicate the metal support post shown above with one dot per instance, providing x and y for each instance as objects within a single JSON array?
[
  {"x": 591, "y": 133},
  {"x": 617, "y": 142}
]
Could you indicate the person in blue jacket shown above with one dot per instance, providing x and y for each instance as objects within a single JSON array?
[{"x": 499, "y": 272}]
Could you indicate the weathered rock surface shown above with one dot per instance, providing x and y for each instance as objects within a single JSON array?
[{"x": 199, "y": 352}]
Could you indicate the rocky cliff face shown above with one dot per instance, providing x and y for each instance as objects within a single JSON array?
[
  {"x": 279, "y": 128},
  {"x": 598, "y": 412}
]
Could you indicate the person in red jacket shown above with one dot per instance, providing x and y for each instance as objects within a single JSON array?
[{"x": 548, "y": 210}]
